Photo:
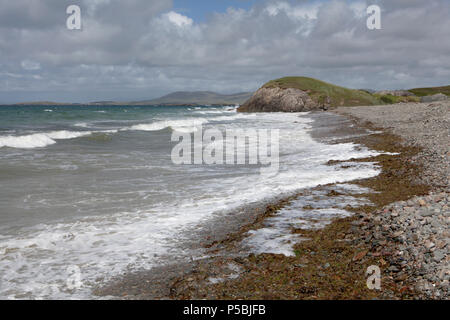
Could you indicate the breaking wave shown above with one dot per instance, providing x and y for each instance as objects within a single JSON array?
[{"x": 39, "y": 140}]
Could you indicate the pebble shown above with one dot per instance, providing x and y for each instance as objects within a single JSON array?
[
  {"x": 419, "y": 227},
  {"x": 421, "y": 239}
]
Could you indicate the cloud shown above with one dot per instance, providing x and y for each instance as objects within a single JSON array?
[
  {"x": 139, "y": 49},
  {"x": 306, "y": 10},
  {"x": 178, "y": 19},
  {"x": 30, "y": 65}
]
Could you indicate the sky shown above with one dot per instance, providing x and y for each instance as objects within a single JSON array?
[
  {"x": 201, "y": 10},
  {"x": 142, "y": 49}
]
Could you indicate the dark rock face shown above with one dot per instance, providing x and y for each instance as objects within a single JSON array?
[
  {"x": 282, "y": 100},
  {"x": 433, "y": 98}
]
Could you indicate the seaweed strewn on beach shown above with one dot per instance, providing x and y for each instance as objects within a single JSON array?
[
  {"x": 330, "y": 264},
  {"x": 333, "y": 262}
]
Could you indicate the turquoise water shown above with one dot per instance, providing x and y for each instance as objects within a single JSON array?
[
  {"x": 22, "y": 119},
  {"x": 94, "y": 187},
  {"x": 70, "y": 152}
]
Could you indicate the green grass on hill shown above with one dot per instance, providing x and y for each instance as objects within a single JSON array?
[
  {"x": 320, "y": 90},
  {"x": 430, "y": 91},
  {"x": 390, "y": 99}
]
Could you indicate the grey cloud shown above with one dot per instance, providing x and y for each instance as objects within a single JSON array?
[
  {"x": 32, "y": 14},
  {"x": 132, "y": 49}
]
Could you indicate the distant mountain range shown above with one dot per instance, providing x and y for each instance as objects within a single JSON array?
[
  {"x": 175, "y": 98},
  {"x": 195, "y": 98}
]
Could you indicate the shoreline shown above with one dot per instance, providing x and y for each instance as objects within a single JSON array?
[
  {"x": 418, "y": 227},
  {"x": 329, "y": 264}
]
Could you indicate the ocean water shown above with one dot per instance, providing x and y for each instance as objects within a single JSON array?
[{"x": 91, "y": 192}]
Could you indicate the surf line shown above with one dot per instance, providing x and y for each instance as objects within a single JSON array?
[{"x": 212, "y": 147}]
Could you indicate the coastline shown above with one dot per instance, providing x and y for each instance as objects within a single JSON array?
[
  {"x": 418, "y": 227},
  {"x": 329, "y": 264}
]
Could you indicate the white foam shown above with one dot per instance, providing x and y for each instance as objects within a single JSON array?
[
  {"x": 64, "y": 134},
  {"x": 225, "y": 110},
  {"x": 187, "y": 124},
  {"x": 276, "y": 237},
  {"x": 182, "y": 125},
  {"x": 39, "y": 140},
  {"x": 33, "y": 262},
  {"x": 26, "y": 142}
]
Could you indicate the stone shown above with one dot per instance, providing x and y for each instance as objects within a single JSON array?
[
  {"x": 280, "y": 100},
  {"x": 396, "y": 93},
  {"x": 438, "y": 255},
  {"x": 426, "y": 213},
  {"x": 393, "y": 269},
  {"x": 435, "y": 97}
]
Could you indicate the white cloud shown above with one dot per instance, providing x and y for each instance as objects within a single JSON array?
[
  {"x": 30, "y": 65},
  {"x": 359, "y": 8},
  {"x": 140, "y": 49},
  {"x": 178, "y": 19},
  {"x": 306, "y": 10}
]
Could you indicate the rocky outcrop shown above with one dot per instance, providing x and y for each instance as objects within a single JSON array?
[
  {"x": 276, "y": 99},
  {"x": 435, "y": 97},
  {"x": 396, "y": 93}
]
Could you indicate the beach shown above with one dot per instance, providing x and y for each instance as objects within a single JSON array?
[
  {"x": 399, "y": 222},
  {"x": 176, "y": 151},
  {"x": 419, "y": 226},
  {"x": 94, "y": 192},
  {"x": 95, "y": 198}
]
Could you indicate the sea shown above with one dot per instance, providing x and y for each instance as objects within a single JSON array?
[{"x": 89, "y": 193}]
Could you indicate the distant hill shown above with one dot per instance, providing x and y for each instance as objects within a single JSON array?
[
  {"x": 420, "y": 92},
  {"x": 44, "y": 103},
  {"x": 198, "y": 98},
  {"x": 320, "y": 95},
  {"x": 175, "y": 98}
]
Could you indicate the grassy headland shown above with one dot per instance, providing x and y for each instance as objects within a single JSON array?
[
  {"x": 391, "y": 99},
  {"x": 430, "y": 91},
  {"x": 320, "y": 90}
]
